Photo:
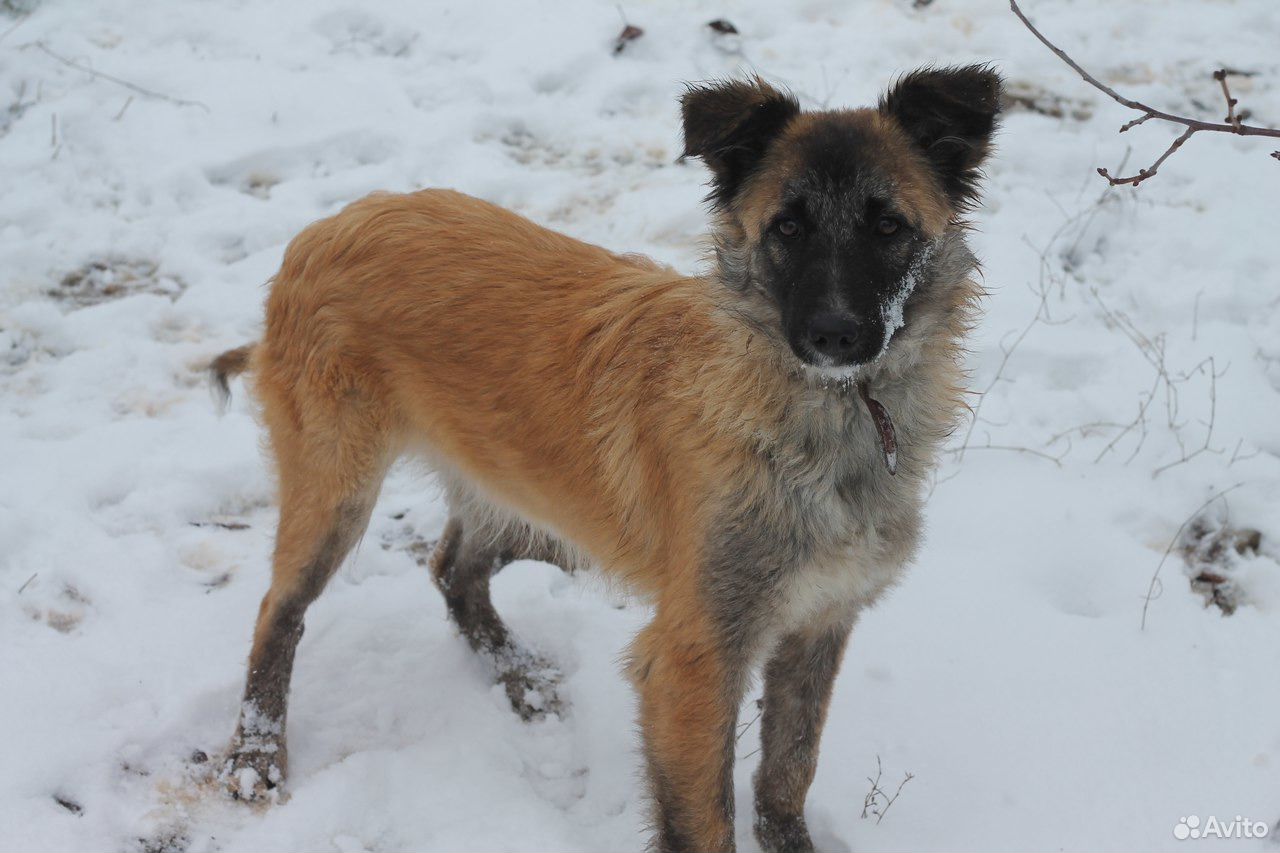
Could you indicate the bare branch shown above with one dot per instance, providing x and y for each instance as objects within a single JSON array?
[{"x": 1233, "y": 123}]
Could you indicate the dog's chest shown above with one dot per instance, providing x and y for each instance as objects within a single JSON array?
[{"x": 857, "y": 525}]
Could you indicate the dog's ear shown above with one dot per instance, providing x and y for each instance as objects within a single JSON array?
[
  {"x": 950, "y": 113},
  {"x": 730, "y": 125}
]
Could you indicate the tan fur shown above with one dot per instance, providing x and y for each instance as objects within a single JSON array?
[
  {"x": 917, "y": 188},
  {"x": 515, "y": 366}
]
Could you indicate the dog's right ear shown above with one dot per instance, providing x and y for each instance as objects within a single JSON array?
[{"x": 730, "y": 125}]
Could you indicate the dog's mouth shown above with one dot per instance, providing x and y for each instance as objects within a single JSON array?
[{"x": 884, "y": 426}]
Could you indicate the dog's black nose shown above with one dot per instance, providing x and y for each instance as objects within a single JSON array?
[{"x": 834, "y": 334}]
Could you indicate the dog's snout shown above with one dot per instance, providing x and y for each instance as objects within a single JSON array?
[{"x": 835, "y": 334}]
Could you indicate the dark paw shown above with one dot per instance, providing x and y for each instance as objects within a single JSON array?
[
  {"x": 533, "y": 688},
  {"x": 778, "y": 834},
  {"x": 254, "y": 770},
  {"x": 531, "y": 681}
]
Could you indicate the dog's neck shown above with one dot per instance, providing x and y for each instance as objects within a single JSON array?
[{"x": 916, "y": 381}]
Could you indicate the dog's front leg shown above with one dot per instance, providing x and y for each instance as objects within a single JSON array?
[
  {"x": 689, "y": 685},
  {"x": 797, "y": 690}
]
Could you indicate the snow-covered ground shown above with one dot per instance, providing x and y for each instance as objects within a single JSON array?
[{"x": 1010, "y": 674}]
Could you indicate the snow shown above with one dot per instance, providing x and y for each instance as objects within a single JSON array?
[
  {"x": 1010, "y": 672},
  {"x": 892, "y": 313}
]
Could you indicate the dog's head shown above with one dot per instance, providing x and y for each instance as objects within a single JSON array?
[{"x": 832, "y": 216}]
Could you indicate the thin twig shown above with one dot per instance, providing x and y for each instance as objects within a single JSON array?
[
  {"x": 1193, "y": 126},
  {"x": 1041, "y": 309},
  {"x": 1041, "y": 289},
  {"x": 1151, "y": 170},
  {"x": 1235, "y": 454},
  {"x": 871, "y": 802},
  {"x": 743, "y": 728},
  {"x": 1137, "y": 121},
  {"x": 1056, "y": 460},
  {"x": 133, "y": 87},
  {"x": 1214, "y": 375},
  {"x": 1232, "y": 119},
  {"x": 884, "y": 811},
  {"x": 1152, "y": 588},
  {"x": 23, "y": 588},
  {"x": 21, "y": 20}
]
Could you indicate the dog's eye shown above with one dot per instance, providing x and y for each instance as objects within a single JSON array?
[
  {"x": 887, "y": 225},
  {"x": 788, "y": 228}
]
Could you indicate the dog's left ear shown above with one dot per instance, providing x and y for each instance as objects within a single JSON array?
[
  {"x": 950, "y": 113},
  {"x": 729, "y": 125}
]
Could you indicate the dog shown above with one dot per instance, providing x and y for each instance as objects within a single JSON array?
[{"x": 748, "y": 449}]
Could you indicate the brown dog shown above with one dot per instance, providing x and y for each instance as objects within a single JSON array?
[{"x": 748, "y": 449}]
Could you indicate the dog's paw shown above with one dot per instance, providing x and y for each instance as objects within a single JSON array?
[
  {"x": 778, "y": 834},
  {"x": 254, "y": 772},
  {"x": 532, "y": 685}
]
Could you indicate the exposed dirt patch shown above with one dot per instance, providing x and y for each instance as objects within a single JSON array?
[
  {"x": 406, "y": 538},
  {"x": 109, "y": 278},
  {"x": 1214, "y": 551},
  {"x": 1026, "y": 97}
]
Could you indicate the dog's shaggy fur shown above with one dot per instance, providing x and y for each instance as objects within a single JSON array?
[{"x": 584, "y": 407}]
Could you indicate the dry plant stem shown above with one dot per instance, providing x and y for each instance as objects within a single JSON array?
[
  {"x": 871, "y": 803},
  {"x": 868, "y": 802},
  {"x": 894, "y": 798},
  {"x": 1235, "y": 454},
  {"x": 1041, "y": 309},
  {"x": 1214, "y": 375},
  {"x": 133, "y": 87},
  {"x": 1041, "y": 289},
  {"x": 1153, "y": 588},
  {"x": 1193, "y": 126},
  {"x": 21, "y": 20},
  {"x": 1153, "y": 350},
  {"x": 1030, "y": 451},
  {"x": 743, "y": 728}
]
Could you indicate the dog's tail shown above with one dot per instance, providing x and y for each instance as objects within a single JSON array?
[{"x": 231, "y": 363}]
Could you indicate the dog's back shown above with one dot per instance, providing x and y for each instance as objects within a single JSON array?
[{"x": 551, "y": 375}]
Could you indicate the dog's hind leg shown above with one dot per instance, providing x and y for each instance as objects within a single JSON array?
[
  {"x": 327, "y": 492},
  {"x": 466, "y": 557},
  {"x": 797, "y": 690}
]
